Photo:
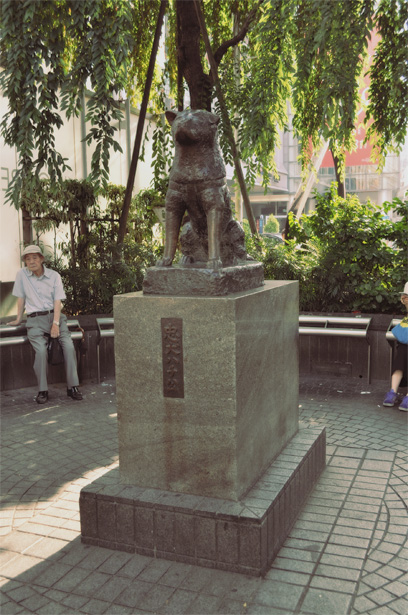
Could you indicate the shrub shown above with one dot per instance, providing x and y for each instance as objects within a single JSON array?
[
  {"x": 271, "y": 225},
  {"x": 347, "y": 255}
]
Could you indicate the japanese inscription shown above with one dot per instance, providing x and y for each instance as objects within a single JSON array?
[{"x": 172, "y": 351}]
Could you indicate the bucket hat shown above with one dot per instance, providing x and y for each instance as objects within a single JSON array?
[
  {"x": 31, "y": 250},
  {"x": 405, "y": 291}
]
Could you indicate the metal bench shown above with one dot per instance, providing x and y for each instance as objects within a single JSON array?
[
  {"x": 14, "y": 335},
  {"x": 105, "y": 329},
  {"x": 391, "y": 339},
  {"x": 338, "y": 326}
]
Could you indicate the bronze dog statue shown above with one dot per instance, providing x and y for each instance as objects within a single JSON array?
[{"x": 197, "y": 186}]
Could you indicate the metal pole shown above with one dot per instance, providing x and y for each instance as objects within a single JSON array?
[{"x": 140, "y": 126}]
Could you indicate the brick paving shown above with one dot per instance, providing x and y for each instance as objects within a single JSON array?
[{"x": 346, "y": 554}]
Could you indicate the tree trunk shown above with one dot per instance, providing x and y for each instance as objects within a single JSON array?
[
  {"x": 341, "y": 188},
  {"x": 27, "y": 227},
  {"x": 188, "y": 53}
]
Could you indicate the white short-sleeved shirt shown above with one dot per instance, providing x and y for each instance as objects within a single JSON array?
[{"x": 39, "y": 293}]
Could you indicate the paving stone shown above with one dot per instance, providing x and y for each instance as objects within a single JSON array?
[
  {"x": 400, "y": 606},
  {"x": 35, "y": 603},
  {"x": 155, "y": 598},
  {"x": 21, "y": 593},
  {"x": 382, "y": 610},
  {"x": 154, "y": 571},
  {"x": 337, "y": 572},
  {"x": 51, "y": 608},
  {"x": 297, "y": 578},
  {"x": 205, "y": 604},
  {"x": 340, "y": 585},
  {"x": 95, "y": 558},
  {"x": 342, "y": 561},
  {"x": 72, "y": 579},
  {"x": 95, "y": 606},
  {"x": 262, "y": 609},
  {"x": 397, "y": 588},
  {"x": 92, "y": 584},
  {"x": 284, "y": 595},
  {"x": 134, "y": 566},
  {"x": 47, "y": 547},
  {"x": 175, "y": 575},
  {"x": 362, "y": 604},
  {"x": 179, "y": 602},
  {"x": 329, "y": 603},
  {"x": 115, "y": 562},
  {"x": 381, "y": 596},
  {"x": 197, "y": 578},
  {"x": 112, "y": 588},
  {"x": 19, "y": 542},
  {"x": 134, "y": 593}
]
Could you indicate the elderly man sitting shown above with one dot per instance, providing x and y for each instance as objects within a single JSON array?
[{"x": 40, "y": 291}]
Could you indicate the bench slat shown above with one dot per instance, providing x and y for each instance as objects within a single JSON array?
[
  {"x": 15, "y": 340},
  {"x": 327, "y": 331}
]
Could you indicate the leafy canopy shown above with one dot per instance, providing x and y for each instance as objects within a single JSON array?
[{"x": 307, "y": 53}]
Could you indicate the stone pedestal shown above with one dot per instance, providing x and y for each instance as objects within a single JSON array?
[
  {"x": 236, "y": 375},
  {"x": 213, "y": 470}
]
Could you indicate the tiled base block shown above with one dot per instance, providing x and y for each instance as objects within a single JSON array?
[{"x": 242, "y": 536}]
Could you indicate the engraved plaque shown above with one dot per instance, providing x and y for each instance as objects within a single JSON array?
[{"x": 172, "y": 351}]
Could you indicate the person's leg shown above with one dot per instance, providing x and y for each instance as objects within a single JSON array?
[
  {"x": 69, "y": 354},
  {"x": 399, "y": 370},
  {"x": 35, "y": 333},
  {"x": 396, "y": 380}
]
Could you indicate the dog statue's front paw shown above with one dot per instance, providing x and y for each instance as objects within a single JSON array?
[
  {"x": 215, "y": 264},
  {"x": 164, "y": 262}
]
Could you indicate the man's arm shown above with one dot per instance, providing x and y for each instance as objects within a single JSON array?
[
  {"x": 20, "y": 311},
  {"x": 57, "y": 314}
]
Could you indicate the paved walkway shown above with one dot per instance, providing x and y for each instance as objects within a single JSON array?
[{"x": 347, "y": 553}]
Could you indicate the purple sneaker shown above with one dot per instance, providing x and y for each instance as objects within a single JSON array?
[
  {"x": 390, "y": 399},
  {"x": 404, "y": 404}
]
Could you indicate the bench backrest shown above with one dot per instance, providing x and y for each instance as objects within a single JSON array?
[
  {"x": 105, "y": 327},
  {"x": 389, "y": 336},
  {"x": 328, "y": 321}
]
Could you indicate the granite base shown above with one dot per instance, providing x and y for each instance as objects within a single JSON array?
[
  {"x": 243, "y": 536},
  {"x": 179, "y": 281},
  {"x": 207, "y": 387}
]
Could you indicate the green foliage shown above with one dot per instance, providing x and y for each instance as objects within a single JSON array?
[
  {"x": 271, "y": 225},
  {"x": 255, "y": 245},
  {"x": 91, "y": 273},
  {"x": 310, "y": 53},
  {"x": 58, "y": 45},
  {"x": 261, "y": 101},
  {"x": 33, "y": 71},
  {"x": 347, "y": 255},
  {"x": 388, "y": 93},
  {"x": 330, "y": 54}
]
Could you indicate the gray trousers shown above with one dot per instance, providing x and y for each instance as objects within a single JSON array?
[{"x": 36, "y": 327}]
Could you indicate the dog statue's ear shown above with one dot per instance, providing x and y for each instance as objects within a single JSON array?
[{"x": 171, "y": 116}]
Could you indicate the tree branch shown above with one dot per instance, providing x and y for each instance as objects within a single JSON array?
[{"x": 222, "y": 49}]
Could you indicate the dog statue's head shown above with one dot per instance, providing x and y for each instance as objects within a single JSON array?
[{"x": 193, "y": 126}]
